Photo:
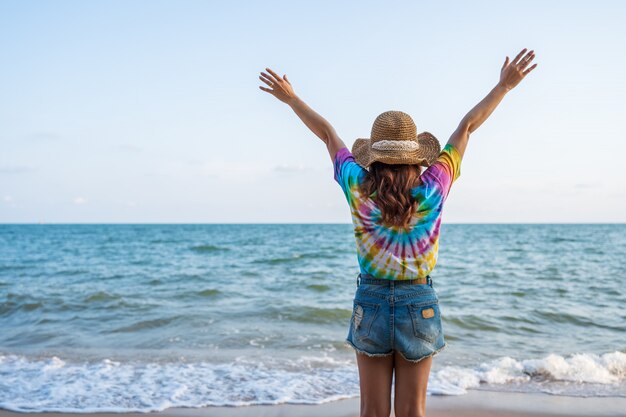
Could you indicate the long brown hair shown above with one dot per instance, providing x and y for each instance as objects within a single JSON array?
[{"x": 392, "y": 184}]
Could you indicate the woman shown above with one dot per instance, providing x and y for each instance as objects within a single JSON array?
[{"x": 396, "y": 211}]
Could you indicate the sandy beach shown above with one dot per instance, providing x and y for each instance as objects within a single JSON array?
[{"x": 474, "y": 404}]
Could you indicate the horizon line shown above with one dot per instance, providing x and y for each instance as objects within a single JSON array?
[{"x": 294, "y": 223}]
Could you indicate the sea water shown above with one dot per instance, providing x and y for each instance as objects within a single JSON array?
[{"x": 145, "y": 317}]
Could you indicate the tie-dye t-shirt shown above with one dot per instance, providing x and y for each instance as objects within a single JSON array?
[{"x": 392, "y": 252}]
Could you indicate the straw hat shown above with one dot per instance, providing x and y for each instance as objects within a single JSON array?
[{"x": 394, "y": 140}]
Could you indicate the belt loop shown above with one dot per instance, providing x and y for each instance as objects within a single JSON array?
[{"x": 358, "y": 279}]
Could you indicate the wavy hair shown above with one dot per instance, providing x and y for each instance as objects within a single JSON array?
[{"x": 392, "y": 184}]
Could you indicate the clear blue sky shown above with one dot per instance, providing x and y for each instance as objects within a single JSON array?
[{"x": 150, "y": 111}]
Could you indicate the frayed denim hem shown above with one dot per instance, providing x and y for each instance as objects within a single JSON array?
[
  {"x": 445, "y": 344},
  {"x": 349, "y": 344},
  {"x": 434, "y": 353}
]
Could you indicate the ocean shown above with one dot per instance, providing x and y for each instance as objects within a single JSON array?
[{"x": 145, "y": 317}]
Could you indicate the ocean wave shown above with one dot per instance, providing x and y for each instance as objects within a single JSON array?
[
  {"x": 148, "y": 324},
  {"x": 54, "y": 384},
  {"x": 558, "y": 239},
  {"x": 9, "y": 307},
  {"x": 103, "y": 300},
  {"x": 60, "y": 385},
  {"x": 208, "y": 248},
  {"x": 70, "y": 272},
  {"x": 4, "y": 268},
  {"x": 101, "y": 296},
  {"x": 307, "y": 314},
  {"x": 319, "y": 287},
  {"x": 209, "y": 292},
  {"x": 20, "y": 302},
  {"x": 545, "y": 374},
  {"x": 296, "y": 257},
  {"x": 472, "y": 322},
  {"x": 577, "y": 319}
]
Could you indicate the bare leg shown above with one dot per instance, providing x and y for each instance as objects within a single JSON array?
[
  {"x": 410, "y": 386},
  {"x": 375, "y": 376}
]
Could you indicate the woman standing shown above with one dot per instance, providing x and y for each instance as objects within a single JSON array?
[{"x": 396, "y": 211}]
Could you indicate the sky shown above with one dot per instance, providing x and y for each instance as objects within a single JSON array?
[{"x": 151, "y": 112}]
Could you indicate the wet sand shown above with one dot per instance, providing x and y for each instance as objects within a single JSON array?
[{"x": 474, "y": 404}]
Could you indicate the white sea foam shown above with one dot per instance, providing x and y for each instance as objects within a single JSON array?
[
  {"x": 62, "y": 385},
  {"x": 608, "y": 369}
]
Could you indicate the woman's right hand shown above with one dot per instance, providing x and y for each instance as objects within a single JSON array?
[{"x": 512, "y": 73}]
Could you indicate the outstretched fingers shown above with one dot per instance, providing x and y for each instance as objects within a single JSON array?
[
  {"x": 280, "y": 87},
  {"x": 265, "y": 80},
  {"x": 276, "y": 76},
  {"x": 529, "y": 69},
  {"x": 268, "y": 78},
  {"x": 518, "y": 56},
  {"x": 526, "y": 60}
]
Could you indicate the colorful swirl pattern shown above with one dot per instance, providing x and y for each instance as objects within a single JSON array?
[{"x": 392, "y": 252}]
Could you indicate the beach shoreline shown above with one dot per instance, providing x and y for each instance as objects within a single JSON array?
[
  {"x": 133, "y": 318},
  {"x": 473, "y": 404}
]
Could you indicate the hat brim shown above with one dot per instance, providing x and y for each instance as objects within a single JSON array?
[{"x": 427, "y": 152}]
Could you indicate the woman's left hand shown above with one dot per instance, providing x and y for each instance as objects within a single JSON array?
[{"x": 280, "y": 87}]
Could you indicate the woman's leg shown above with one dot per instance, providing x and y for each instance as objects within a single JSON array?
[
  {"x": 410, "y": 386},
  {"x": 375, "y": 376}
]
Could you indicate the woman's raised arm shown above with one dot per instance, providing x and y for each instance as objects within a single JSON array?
[
  {"x": 510, "y": 75},
  {"x": 282, "y": 90}
]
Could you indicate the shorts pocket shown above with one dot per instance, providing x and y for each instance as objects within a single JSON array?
[
  {"x": 426, "y": 318},
  {"x": 363, "y": 315}
]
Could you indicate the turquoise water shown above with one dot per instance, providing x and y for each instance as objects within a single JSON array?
[{"x": 144, "y": 317}]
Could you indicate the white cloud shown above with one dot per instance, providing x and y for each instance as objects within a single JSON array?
[{"x": 80, "y": 200}]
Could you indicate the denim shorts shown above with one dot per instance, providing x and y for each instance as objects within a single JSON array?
[{"x": 401, "y": 316}]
